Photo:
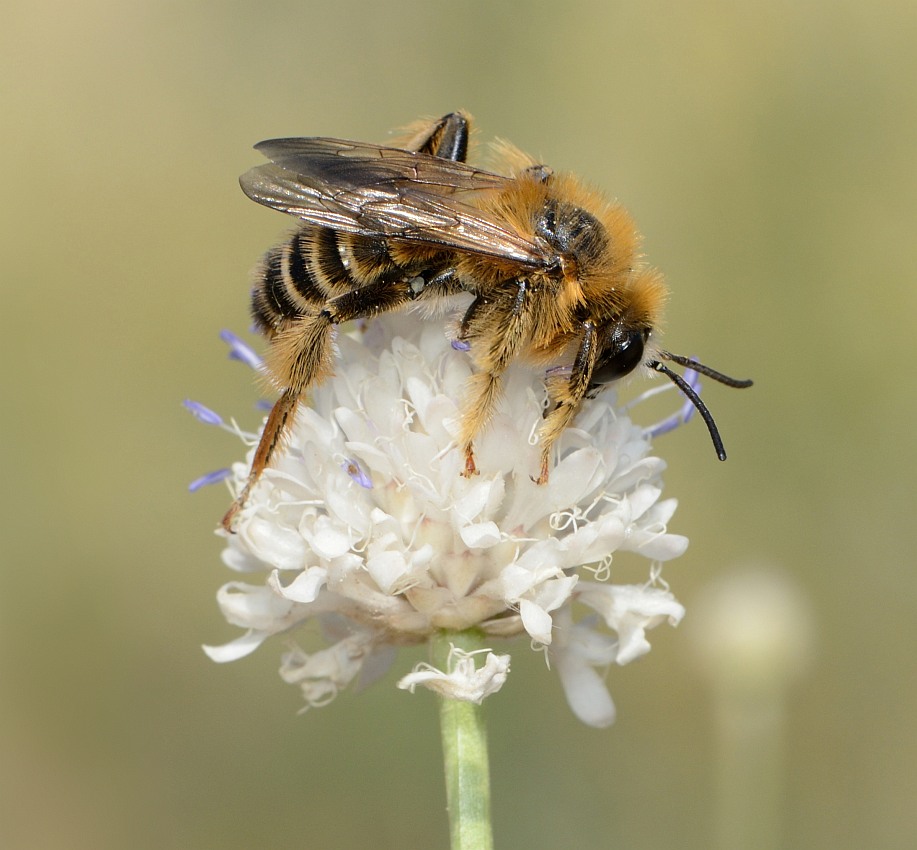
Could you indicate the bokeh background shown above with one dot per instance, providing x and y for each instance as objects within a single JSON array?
[{"x": 767, "y": 150}]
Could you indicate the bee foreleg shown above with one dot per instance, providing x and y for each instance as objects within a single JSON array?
[
  {"x": 567, "y": 396},
  {"x": 505, "y": 326}
]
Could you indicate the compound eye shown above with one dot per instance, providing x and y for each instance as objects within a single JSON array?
[{"x": 622, "y": 354}]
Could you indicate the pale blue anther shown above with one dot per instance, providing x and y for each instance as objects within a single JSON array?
[
  {"x": 242, "y": 351},
  {"x": 201, "y": 413},
  {"x": 210, "y": 478}
]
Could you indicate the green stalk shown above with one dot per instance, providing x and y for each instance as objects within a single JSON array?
[{"x": 464, "y": 755}]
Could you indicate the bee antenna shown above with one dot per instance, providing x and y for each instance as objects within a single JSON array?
[
  {"x": 690, "y": 363},
  {"x": 694, "y": 398}
]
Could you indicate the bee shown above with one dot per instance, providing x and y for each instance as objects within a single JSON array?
[{"x": 553, "y": 270}]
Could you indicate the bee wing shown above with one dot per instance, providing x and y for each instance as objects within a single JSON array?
[{"x": 377, "y": 191}]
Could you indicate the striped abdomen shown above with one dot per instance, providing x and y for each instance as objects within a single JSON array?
[{"x": 315, "y": 265}]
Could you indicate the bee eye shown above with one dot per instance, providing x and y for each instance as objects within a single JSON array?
[{"x": 622, "y": 354}]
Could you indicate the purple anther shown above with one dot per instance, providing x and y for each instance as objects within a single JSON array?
[
  {"x": 461, "y": 345},
  {"x": 559, "y": 371},
  {"x": 242, "y": 351},
  {"x": 210, "y": 478},
  {"x": 685, "y": 412},
  {"x": 201, "y": 413},
  {"x": 355, "y": 471}
]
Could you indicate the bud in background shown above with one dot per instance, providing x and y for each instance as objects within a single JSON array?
[{"x": 753, "y": 635}]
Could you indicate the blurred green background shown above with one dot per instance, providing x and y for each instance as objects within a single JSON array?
[{"x": 767, "y": 151}]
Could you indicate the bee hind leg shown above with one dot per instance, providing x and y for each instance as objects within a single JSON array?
[
  {"x": 302, "y": 356},
  {"x": 447, "y": 138},
  {"x": 275, "y": 431}
]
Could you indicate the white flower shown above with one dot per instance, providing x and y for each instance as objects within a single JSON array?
[
  {"x": 366, "y": 527},
  {"x": 462, "y": 681}
]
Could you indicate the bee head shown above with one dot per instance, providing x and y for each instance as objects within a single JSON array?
[{"x": 621, "y": 353}]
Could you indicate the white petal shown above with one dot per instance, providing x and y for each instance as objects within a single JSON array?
[
  {"x": 418, "y": 390},
  {"x": 655, "y": 546},
  {"x": 439, "y": 411},
  {"x": 422, "y": 557},
  {"x": 663, "y": 511},
  {"x": 463, "y": 682},
  {"x": 595, "y": 540},
  {"x": 575, "y": 476},
  {"x": 643, "y": 498},
  {"x": 386, "y": 569},
  {"x": 516, "y": 581},
  {"x": 253, "y": 607},
  {"x": 481, "y": 535},
  {"x": 586, "y": 692},
  {"x": 326, "y": 538},
  {"x": 374, "y": 459},
  {"x": 536, "y": 620},
  {"x": 350, "y": 508},
  {"x": 630, "y": 610},
  {"x": 241, "y": 561},
  {"x": 238, "y": 648},
  {"x": 481, "y": 495},
  {"x": 277, "y": 545},
  {"x": 553, "y": 593},
  {"x": 304, "y": 588},
  {"x": 542, "y": 559},
  {"x": 321, "y": 675}
]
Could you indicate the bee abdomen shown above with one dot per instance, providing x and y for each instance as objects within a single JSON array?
[
  {"x": 316, "y": 264},
  {"x": 273, "y": 303},
  {"x": 368, "y": 257}
]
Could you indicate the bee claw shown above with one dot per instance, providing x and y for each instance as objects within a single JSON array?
[
  {"x": 229, "y": 516},
  {"x": 470, "y": 467},
  {"x": 543, "y": 475}
]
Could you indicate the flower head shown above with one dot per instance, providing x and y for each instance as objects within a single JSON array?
[{"x": 366, "y": 527}]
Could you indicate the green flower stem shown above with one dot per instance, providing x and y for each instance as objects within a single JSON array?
[{"x": 464, "y": 754}]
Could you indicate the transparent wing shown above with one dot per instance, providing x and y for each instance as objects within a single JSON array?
[{"x": 377, "y": 191}]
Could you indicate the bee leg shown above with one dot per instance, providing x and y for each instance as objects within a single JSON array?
[
  {"x": 483, "y": 389},
  {"x": 567, "y": 396},
  {"x": 481, "y": 394},
  {"x": 276, "y": 427},
  {"x": 468, "y": 318},
  {"x": 437, "y": 284},
  {"x": 447, "y": 139},
  {"x": 542, "y": 173},
  {"x": 302, "y": 353},
  {"x": 464, "y": 327}
]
